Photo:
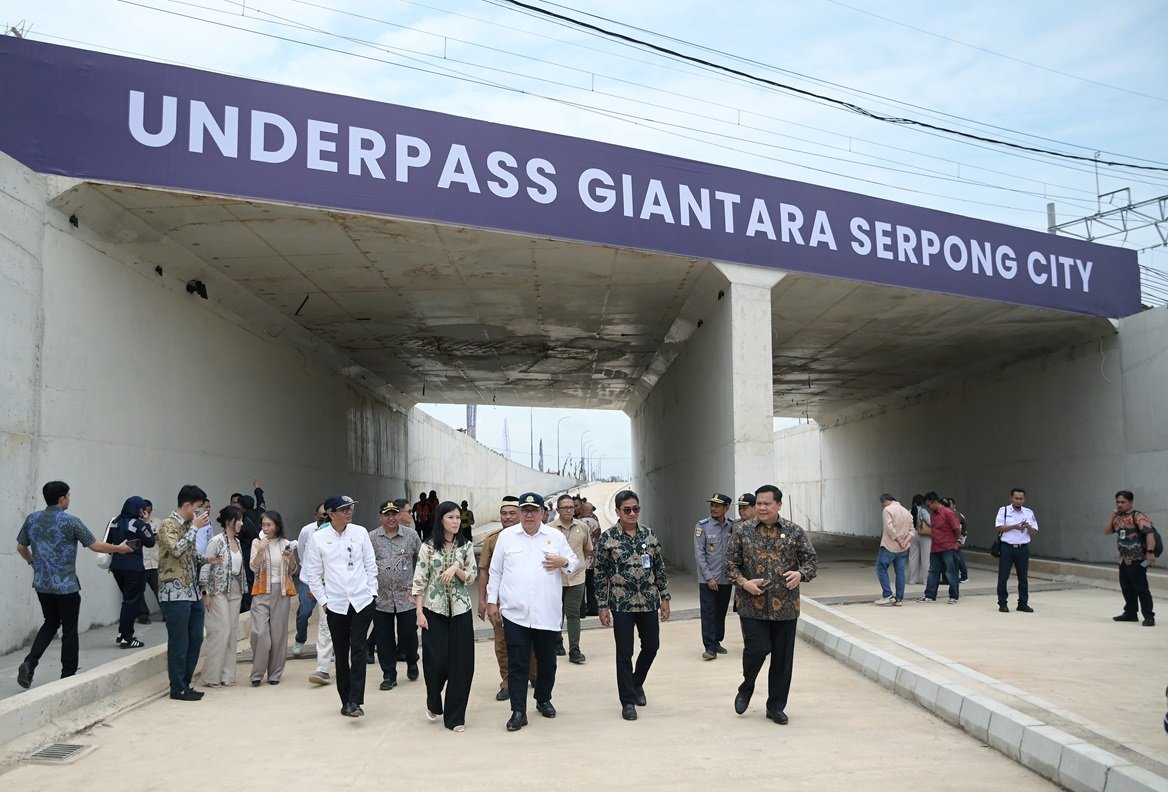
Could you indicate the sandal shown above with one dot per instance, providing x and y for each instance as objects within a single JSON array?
[{"x": 132, "y": 643}]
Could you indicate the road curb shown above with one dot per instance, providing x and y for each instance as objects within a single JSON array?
[{"x": 1052, "y": 753}]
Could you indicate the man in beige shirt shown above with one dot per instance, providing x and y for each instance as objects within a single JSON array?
[
  {"x": 508, "y": 516},
  {"x": 580, "y": 540},
  {"x": 895, "y": 537}
]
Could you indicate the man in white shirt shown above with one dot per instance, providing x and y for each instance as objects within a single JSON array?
[
  {"x": 341, "y": 571},
  {"x": 525, "y": 595},
  {"x": 1016, "y": 525},
  {"x": 324, "y": 639}
]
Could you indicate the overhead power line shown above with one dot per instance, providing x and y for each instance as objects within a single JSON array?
[{"x": 850, "y": 106}]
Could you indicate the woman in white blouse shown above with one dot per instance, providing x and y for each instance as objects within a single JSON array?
[
  {"x": 446, "y": 568},
  {"x": 273, "y": 563},
  {"x": 222, "y": 586}
]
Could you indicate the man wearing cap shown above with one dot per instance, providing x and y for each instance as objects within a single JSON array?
[
  {"x": 711, "y": 536},
  {"x": 342, "y": 573},
  {"x": 745, "y": 509},
  {"x": 525, "y": 595},
  {"x": 395, "y": 624}
]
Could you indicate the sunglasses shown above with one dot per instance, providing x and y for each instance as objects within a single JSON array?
[{"x": 630, "y": 509}]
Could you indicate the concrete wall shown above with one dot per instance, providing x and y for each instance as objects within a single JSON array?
[
  {"x": 799, "y": 475},
  {"x": 120, "y": 383},
  {"x": 1071, "y": 428}
]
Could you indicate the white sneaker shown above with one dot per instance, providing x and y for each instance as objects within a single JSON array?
[
  {"x": 297, "y": 649},
  {"x": 895, "y": 602},
  {"x": 883, "y": 601},
  {"x": 319, "y": 677},
  {"x": 952, "y": 601}
]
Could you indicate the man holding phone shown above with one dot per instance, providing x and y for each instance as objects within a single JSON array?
[
  {"x": 767, "y": 558},
  {"x": 178, "y": 584},
  {"x": 1016, "y": 524}
]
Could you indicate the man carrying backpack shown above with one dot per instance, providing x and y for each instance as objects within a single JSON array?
[{"x": 1136, "y": 545}]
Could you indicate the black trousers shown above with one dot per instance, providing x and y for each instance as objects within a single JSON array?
[
  {"x": 761, "y": 637},
  {"x": 152, "y": 582},
  {"x": 714, "y": 606},
  {"x": 591, "y": 607},
  {"x": 349, "y": 631},
  {"x": 396, "y": 633},
  {"x": 521, "y": 642},
  {"x": 1133, "y": 582},
  {"x": 630, "y": 678},
  {"x": 60, "y": 613},
  {"x": 448, "y": 662},
  {"x": 133, "y": 585},
  {"x": 1019, "y": 559}
]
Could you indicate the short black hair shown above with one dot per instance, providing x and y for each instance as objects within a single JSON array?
[
  {"x": 772, "y": 489},
  {"x": 235, "y": 495},
  {"x": 932, "y": 497},
  {"x": 1126, "y": 495},
  {"x": 625, "y": 495},
  {"x": 191, "y": 493},
  {"x": 275, "y": 517},
  {"x": 228, "y": 514},
  {"x": 54, "y": 491},
  {"x": 562, "y": 498},
  {"x": 1017, "y": 489}
]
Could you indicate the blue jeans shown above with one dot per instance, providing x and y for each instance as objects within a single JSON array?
[
  {"x": 947, "y": 560},
  {"x": 184, "y": 639},
  {"x": 883, "y": 559},
  {"x": 303, "y": 612}
]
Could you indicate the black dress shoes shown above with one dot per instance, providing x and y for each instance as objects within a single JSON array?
[
  {"x": 778, "y": 716},
  {"x": 412, "y": 672},
  {"x": 503, "y": 694},
  {"x": 388, "y": 684},
  {"x": 1024, "y": 609},
  {"x": 545, "y": 709},
  {"x": 518, "y": 721},
  {"x": 185, "y": 695},
  {"x": 641, "y": 700},
  {"x": 741, "y": 702},
  {"x": 352, "y": 710},
  {"x": 629, "y": 712}
]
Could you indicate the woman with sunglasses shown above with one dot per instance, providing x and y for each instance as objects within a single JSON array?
[{"x": 446, "y": 568}]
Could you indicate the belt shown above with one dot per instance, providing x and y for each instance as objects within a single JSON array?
[{"x": 1016, "y": 546}]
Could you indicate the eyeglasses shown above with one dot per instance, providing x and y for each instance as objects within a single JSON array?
[
  {"x": 344, "y": 509},
  {"x": 630, "y": 509}
]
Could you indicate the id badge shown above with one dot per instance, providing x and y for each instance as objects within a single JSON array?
[
  {"x": 403, "y": 564},
  {"x": 645, "y": 560},
  {"x": 1122, "y": 533}
]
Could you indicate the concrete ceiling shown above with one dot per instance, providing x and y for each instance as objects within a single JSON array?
[{"x": 460, "y": 315}]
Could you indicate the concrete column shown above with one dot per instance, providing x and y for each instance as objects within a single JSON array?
[{"x": 707, "y": 424}]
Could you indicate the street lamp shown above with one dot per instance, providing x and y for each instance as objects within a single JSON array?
[
  {"x": 559, "y": 459},
  {"x": 588, "y": 449},
  {"x": 582, "y": 434}
]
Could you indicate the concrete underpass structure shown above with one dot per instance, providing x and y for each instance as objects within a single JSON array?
[{"x": 361, "y": 258}]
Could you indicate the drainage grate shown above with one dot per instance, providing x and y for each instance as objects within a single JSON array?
[{"x": 58, "y": 753}]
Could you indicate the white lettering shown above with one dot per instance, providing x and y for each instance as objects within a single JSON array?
[
  {"x": 655, "y": 202},
  {"x": 979, "y": 258},
  {"x": 1067, "y": 263},
  {"x": 1085, "y": 273},
  {"x": 700, "y": 210},
  {"x": 821, "y": 230},
  {"x": 226, "y": 138},
  {"x": 883, "y": 240},
  {"x": 930, "y": 244},
  {"x": 605, "y": 196},
  {"x": 167, "y": 128},
  {"x": 358, "y": 154},
  {"x": 790, "y": 223},
  {"x": 1030, "y": 260},
  {"x": 260, "y": 121},
  {"x": 861, "y": 244},
  {"x": 760, "y": 220},
  {"x": 538, "y": 170},
  {"x": 906, "y": 244},
  {"x": 458, "y": 169},
  {"x": 318, "y": 145},
  {"x": 728, "y": 200},
  {"x": 505, "y": 184},
  {"x": 411, "y": 152},
  {"x": 956, "y": 264},
  {"x": 1006, "y": 262},
  {"x": 627, "y": 195}
]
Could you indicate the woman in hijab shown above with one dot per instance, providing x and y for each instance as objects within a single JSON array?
[
  {"x": 222, "y": 586},
  {"x": 133, "y": 527},
  {"x": 442, "y": 578},
  {"x": 272, "y": 589}
]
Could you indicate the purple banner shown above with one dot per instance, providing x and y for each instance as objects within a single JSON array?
[{"x": 108, "y": 118}]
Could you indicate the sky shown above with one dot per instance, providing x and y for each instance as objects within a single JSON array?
[{"x": 1059, "y": 75}]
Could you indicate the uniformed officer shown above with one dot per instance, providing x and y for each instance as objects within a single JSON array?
[
  {"x": 711, "y": 536},
  {"x": 745, "y": 508}
]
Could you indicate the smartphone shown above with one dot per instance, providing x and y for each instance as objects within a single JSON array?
[{"x": 134, "y": 544}]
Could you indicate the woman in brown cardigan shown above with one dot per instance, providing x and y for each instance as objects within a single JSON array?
[{"x": 274, "y": 564}]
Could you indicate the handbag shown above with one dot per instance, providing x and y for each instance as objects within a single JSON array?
[
  {"x": 925, "y": 529},
  {"x": 105, "y": 559},
  {"x": 996, "y": 547}
]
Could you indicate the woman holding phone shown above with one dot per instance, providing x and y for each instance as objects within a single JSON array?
[
  {"x": 222, "y": 586},
  {"x": 446, "y": 568},
  {"x": 131, "y": 526},
  {"x": 272, "y": 590}
]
